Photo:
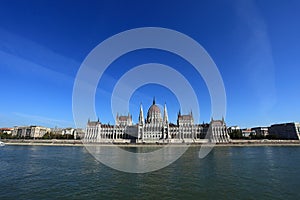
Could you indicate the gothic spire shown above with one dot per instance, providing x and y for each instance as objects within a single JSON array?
[
  {"x": 179, "y": 113},
  {"x": 165, "y": 119},
  {"x": 191, "y": 114},
  {"x": 141, "y": 116},
  {"x": 117, "y": 119}
]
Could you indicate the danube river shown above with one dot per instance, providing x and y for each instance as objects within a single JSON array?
[{"x": 52, "y": 172}]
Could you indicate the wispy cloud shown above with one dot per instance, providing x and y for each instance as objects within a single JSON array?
[
  {"x": 28, "y": 60},
  {"x": 258, "y": 58},
  {"x": 24, "y": 56},
  {"x": 41, "y": 120}
]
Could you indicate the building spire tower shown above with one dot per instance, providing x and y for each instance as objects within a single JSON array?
[
  {"x": 117, "y": 119},
  {"x": 141, "y": 124},
  {"x": 141, "y": 116},
  {"x": 165, "y": 118},
  {"x": 166, "y": 123}
]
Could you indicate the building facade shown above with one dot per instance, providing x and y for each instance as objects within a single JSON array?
[
  {"x": 261, "y": 131},
  {"x": 30, "y": 131},
  {"x": 285, "y": 131},
  {"x": 156, "y": 128},
  {"x": 248, "y": 132},
  {"x": 232, "y": 129},
  {"x": 6, "y": 130}
]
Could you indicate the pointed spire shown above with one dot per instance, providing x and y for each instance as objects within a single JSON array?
[
  {"x": 153, "y": 101},
  {"x": 191, "y": 114},
  {"x": 179, "y": 113},
  {"x": 89, "y": 120},
  {"x": 98, "y": 120},
  {"x": 141, "y": 116},
  {"x": 165, "y": 119},
  {"x": 117, "y": 119}
]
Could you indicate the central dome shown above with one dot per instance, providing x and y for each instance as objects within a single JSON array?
[
  {"x": 154, "y": 108},
  {"x": 154, "y": 114}
]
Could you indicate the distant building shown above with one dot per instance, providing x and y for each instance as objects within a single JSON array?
[
  {"x": 30, "y": 131},
  {"x": 156, "y": 129},
  {"x": 79, "y": 134},
  {"x": 75, "y": 133},
  {"x": 233, "y": 129},
  {"x": 247, "y": 132},
  {"x": 68, "y": 131},
  {"x": 6, "y": 130},
  {"x": 285, "y": 131},
  {"x": 57, "y": 131},
  {"x": 261, "y": 131}
]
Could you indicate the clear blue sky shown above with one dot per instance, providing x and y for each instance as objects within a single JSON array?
[{"x": 255, "y": 44}]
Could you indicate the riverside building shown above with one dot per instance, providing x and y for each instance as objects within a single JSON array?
[
  {"x": 30, "y": 131},
  {"x": 156, "y": 128},
  {"x": 285, "y": 131}
]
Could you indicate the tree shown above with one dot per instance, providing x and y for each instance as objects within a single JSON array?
[{"x": 236, "y": 134}]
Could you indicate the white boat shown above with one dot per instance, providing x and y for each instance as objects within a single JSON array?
[{"x": 2, "y": 144}]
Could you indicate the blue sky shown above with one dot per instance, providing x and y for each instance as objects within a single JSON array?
[{"x": 255, "y": 45}]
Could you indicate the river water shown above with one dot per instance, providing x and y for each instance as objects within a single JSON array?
[{"x": 52, "y": 172}]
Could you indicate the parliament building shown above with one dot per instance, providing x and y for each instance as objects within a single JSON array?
[{"x": 156, "y": 129}]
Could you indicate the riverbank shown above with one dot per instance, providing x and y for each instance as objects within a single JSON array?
[{"x": 55, "y": 142}]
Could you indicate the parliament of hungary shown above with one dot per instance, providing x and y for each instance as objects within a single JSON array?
[{"x": 156, "y": 129}]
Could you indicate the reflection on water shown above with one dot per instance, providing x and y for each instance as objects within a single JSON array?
[
  {"x": 137, "y": 159},
  {"x": 226, "y": 173}
]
